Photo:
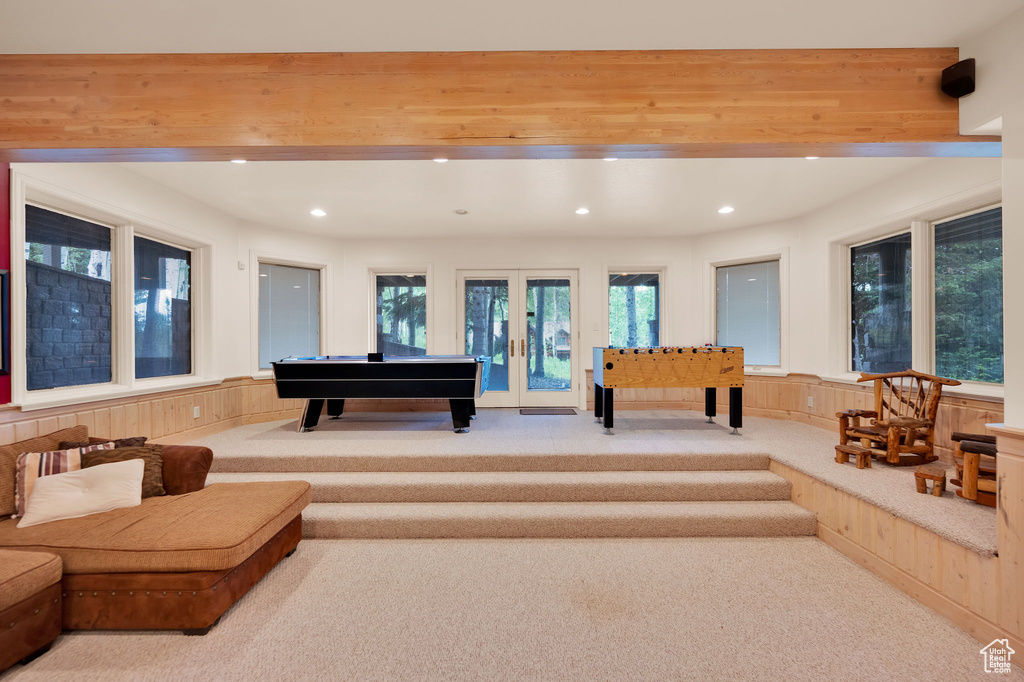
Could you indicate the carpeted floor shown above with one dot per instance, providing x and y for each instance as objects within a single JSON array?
[
  {"x": 613, "y": 609},
  {"x": 644, "y": 440}
]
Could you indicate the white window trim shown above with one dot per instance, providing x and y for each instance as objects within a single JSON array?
[
  {"x": 661, "y": 271},
  {"x": 257, "y": 258},
  {"x": 919, "y": 222},
  {"x": 424, "y": 269},
  {"x": 127, "y": 224},
  {"x": 780, "y": 254}
]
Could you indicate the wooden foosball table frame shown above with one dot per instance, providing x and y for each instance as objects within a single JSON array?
[{"x": 707, "y": 367}]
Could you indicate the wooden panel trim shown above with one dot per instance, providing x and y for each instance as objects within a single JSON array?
[
  {"x": 963, "y": 586},
  {"x": 982, "y": 629},
  {"x": 846, "y": 102}
]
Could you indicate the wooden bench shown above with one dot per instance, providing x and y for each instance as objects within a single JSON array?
[
  {"x": 935, "y": 474},
  {"x": 862, "y": 454}
]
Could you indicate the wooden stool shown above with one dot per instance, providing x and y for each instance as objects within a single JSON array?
[
  {"x": 862, "y": 454},
  {"x": 937, "y": 475}
]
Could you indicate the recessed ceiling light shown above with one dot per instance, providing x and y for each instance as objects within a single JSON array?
[
  {"x": 318, "y": 212},
  {"x": 726, "y": 209},
  {"x": 582, "y": 211},
  {"x": 611, "y": 158},
  {"x": 460, "y": 211},
  {"x": 752, "y": 279},
  {"x": 263, "y": 274},
  {"x": 237, "y": 160},
  {"x": 439, "y": 160},
  {"x": 296, "y": 286},
  {"x": 810, "y": 158}
]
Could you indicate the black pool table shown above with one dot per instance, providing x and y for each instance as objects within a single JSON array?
[{"x": 460, "y": 379}]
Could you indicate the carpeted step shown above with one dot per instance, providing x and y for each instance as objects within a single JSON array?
[
  {"x": 557, "y": 519},
  {"x": 283, "y": 461},
  {"x": 600, "y": 486}
]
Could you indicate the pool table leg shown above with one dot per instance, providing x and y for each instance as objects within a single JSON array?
[
  {"x": 462, "y": 410},
  {"x": 311, "y": 414},
  {"x": 335, "y": 408}
]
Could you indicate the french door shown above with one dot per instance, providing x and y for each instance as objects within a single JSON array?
[{"x": 527, "y": 322}]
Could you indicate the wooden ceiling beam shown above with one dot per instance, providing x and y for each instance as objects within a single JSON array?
[{"x": 629, "y": 104}]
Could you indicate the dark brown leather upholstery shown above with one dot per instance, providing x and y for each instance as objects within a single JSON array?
[
  {"x": 29, "y": 625},
  {"x": 168, "y": 601},
  {"x": 185, "y": 468}
]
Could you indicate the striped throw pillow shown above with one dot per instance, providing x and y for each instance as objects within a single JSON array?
[{"x": 33, "y": 465}]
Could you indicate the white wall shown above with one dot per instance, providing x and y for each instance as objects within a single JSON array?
[
  {"x": 806, "y": 241},
  {"x": 999, "y": 52},
  {"x": 687, "y": 297}
]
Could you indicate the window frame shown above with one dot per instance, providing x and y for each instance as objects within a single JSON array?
[
  {"x": 125, "y": 226},
  {"x": 257, "y": 258},
  {"x": 661, "y": 271},
  {"x": 919, "y": 222},
  {"x": 711, "y": 304},
  {"x": 371, "y": 296}
]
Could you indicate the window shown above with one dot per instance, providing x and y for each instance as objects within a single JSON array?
[
  {"x": 748, "y": 312},
  {"x": 163, "y": 309},
  {"x": 487, "y": 326},
  {"x": 880, "y": 276},
  {"x": 401, "y": 313},
  {"x": 634, "y": 310},
  {"x": 969, "y": 297},
  {"x": 104, "y": 303},
  {"x": 931, "y": 299},
  {"x": 289, "y": 313},
  {"x": 67, "y": 297}
]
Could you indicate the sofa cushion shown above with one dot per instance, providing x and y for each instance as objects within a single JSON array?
[
  {"x": 24, "y": 574},
  {"x": 151, "y": 455},
  {"x": 9, "y": 458},
  {"x": 207, "y": 530},
  {"x": 133, "y": 442},
  {"x": 80, "y": 493},
  {"x": 32, "y": 466}
]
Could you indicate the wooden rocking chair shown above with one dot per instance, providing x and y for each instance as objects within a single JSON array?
[{"x": 902, "y": 425}]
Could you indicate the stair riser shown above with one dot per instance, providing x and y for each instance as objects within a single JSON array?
[
  {"x": 557, "y": 528},
  {"x": 552, "y": 493},
  {"x": 472, "y": 463}
]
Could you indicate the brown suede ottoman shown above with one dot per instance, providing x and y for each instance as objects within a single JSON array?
[
  {"x": 30, "y": 604},
  {"x": 173, "y": 562}
]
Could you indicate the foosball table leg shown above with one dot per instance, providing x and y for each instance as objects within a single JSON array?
[
  {"x": 710, "y": 404},
  {"x": 736, "y": 409},
  {"x": 598, "y": 403},
  {"x": 609, "y": 411}
]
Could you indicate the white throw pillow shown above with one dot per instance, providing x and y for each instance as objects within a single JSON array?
[{"x": 87, "y": 491}]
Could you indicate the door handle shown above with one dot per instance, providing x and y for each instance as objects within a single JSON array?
[
  {"x": 512, "y": 348},
  {"x": 522, "y": 347}
]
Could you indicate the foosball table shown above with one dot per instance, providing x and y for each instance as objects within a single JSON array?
[{"x": 707, "y": 367}]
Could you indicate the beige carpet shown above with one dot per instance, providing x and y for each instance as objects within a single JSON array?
[
  {"x": 503, "y": 440},
  {"x": 670, "y": 609}
]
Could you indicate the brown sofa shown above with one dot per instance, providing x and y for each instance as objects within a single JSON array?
[
  {"x": 175, "y": 562},
  {"x": 30, "y": 605}
]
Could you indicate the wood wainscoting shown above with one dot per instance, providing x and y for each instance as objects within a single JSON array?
[
  {"x": 166, "y": 417},
  {"x": 787, "y": 398},
  {"x": 963, "y": 586}
]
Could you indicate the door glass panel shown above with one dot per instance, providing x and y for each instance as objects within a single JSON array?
[
  {"x": 549, "y": 335},
  {"x": 402, "y": 314},
  {"x": 487, "y": 326}
]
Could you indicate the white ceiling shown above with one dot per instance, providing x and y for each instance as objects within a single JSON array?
[
  {"x": 72, "y": 26},
  {"x": 652, "y": 197}
]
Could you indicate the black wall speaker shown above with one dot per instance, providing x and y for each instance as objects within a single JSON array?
[{"x": 958, "y": 80}]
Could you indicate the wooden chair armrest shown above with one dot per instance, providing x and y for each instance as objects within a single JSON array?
[
  {"x": 903, "y": 422},
  {"x": 857, "y": 413},
  {"x": 976, "y": 437}
]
